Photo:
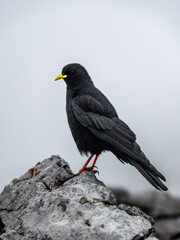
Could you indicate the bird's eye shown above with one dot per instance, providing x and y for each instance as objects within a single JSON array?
[{"x": 73, "y": 71}]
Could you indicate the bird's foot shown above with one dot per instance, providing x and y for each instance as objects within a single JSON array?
[
  {"x": 92, "y": 168},
  {"x": 87, "y": 169}
]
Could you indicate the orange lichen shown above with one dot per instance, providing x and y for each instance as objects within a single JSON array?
[{"x": 37, "y": 173}]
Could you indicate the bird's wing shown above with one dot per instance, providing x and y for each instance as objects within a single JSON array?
[
  {"x": 100, "y": 119},
  {"x": 127, "y": 150},
  {"x": 109, "y": 128}
]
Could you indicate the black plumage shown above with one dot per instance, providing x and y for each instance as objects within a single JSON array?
[{"x": 96, "y": 127}]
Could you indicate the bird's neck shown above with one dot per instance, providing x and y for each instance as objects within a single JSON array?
[{"x": 80, "y": 85}]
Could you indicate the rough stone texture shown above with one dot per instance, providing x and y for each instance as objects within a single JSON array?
[
  {"x": 164, "y": 209},
  {"x": 48, "y": 203}
]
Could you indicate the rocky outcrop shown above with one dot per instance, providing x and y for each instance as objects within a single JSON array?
[
  {"x": 49, "y": 202},
  {"x": 164, "y": 208}
]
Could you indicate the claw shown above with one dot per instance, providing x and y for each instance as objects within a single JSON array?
[
  {"x": 95, "y": 167},
  {"x": 95, "y": 171}
]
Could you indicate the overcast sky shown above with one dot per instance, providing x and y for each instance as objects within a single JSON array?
[{"x": 131, "y": 50}]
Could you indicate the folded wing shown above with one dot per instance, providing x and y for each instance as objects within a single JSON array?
[{"x": 104, "y": 123}]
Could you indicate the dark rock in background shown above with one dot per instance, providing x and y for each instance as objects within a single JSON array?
[
  {"x": 49, "y": 203},
  {"x": 164, "y": 208}
]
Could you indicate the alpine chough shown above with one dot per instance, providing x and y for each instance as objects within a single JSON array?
[{"x": 96, "y": 127}]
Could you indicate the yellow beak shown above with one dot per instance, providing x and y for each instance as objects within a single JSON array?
[{"x": 60, "y": 77}]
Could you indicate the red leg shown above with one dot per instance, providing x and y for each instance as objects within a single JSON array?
[
  {"x": 95, "y": 160},
  {"x": 92, "y": 167},
  {"x": 89, "y": 168},
  {"x": 85, "y": 165}
]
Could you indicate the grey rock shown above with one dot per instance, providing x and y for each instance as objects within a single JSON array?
[
  {"x": 49, "y": 202},
  {"x": 164, "y": 208},
  {"x": 2, "y": 226},
  {"x": 168, "y": 228},
  {"x": 158, "y": 204}
]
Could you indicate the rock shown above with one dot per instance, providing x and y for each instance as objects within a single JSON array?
[
  {"x": 2, "y": 226},
  {"x": 164, "y": 208},
  {"x": 49, "y": 203}
]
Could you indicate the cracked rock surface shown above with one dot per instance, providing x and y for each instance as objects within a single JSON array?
[{"x": 49, "y": 203}]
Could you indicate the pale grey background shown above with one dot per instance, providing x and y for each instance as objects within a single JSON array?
[{"x": 131, "y": 50}]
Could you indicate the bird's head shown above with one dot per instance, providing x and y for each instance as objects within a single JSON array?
[{"x": 74, "y": 74}]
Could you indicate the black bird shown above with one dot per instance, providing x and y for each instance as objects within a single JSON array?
[{"x": 96, "y": 127}]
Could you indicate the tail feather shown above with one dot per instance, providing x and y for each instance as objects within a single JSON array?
[
  {"x": 150, "y": 176},
  {"x": 145, "y": 174},
  {"x": 128, "y": 151},
  {"x": 151, "y": 169},
  {"x": 149, "y": 172},
  {"x": 146, "y": 163}
]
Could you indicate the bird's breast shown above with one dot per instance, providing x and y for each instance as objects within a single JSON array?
[{"x": 86, "y": 142}]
